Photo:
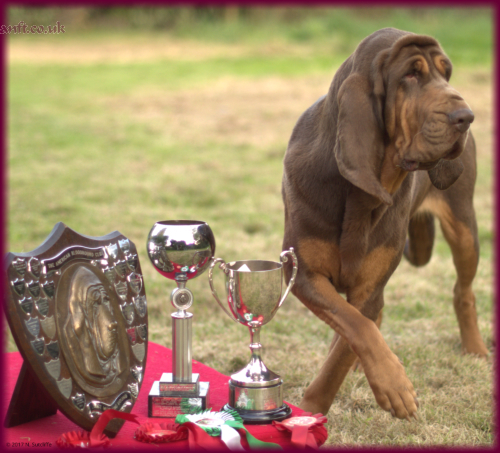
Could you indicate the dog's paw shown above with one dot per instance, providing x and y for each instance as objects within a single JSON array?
[
  {"x": 475, "y": 347},
  {"x": 393, "y": 390}
]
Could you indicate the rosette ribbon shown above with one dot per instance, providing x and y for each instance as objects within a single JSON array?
[
  {"x": 305, "y": 429},
  {"x": 96, "y": 437},
  {"x": 160, "y": 433},
  {"x": 226, "y": 424}
]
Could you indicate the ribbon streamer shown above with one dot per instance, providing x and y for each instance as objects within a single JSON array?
[
  {"x": 96, "y": 437},
  {"x": 226, "y": 424},
  {"x": 103, "y": 421},
  {"x": 231, "y": 438},
  {"x": 252, "y": 441}
]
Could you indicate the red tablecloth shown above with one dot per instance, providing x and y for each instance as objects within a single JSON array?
[{"x": 48, "y": 429}]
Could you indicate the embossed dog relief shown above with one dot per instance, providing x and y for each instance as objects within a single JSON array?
[{"x": 73, "y": 304}]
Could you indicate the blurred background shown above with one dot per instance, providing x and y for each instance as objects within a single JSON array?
[{"x": 135, "y": 115}]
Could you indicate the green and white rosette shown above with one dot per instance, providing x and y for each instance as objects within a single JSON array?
[
  {"x": 191, "y": 405},
  {"x": 228, "y": 425}
]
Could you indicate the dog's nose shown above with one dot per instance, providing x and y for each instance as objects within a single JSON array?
[{"x": 461, "y": 119}]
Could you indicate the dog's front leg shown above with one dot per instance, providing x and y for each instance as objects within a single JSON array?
[{"x": 358, "y": 335}]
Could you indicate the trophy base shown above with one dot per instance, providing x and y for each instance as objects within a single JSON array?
[
  {"x": 256, "y": 417},
  {"x": 170, "y": 387},
  {"x": 171, "y": 406},
  {"x": 258, "y": 405}
]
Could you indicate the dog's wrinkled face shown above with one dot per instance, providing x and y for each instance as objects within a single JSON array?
[{"x": 427, "y": 120}]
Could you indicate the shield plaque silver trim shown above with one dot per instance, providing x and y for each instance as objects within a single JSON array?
[
  {"x": 142, "y": 330},
  {"x": 139, "y": 351},
  {"x": 33, "y": 326},
  {"x": 65, "y": 387},
  {"x": 132, "y": 335},
  {"x": 137, "y": 373},
  {"x": 34, "y": 288},
  {"x": 35, "y": 267},
  {"x": 42, "y": 305},
  {"x": 54, "y": 368},
  {"x": 53, "y": 349},
  {"x": 49, "y": 326},
  {"x": 128, "y": 312},
  {"x": 140, "y": 305},
  {"x": 134, "y": 389},
  {"x": 109, "y": 272},
  {"x": 38, "y": 345},
  {"x": 131, "y": 261},
  {"x": 135, "y": 282},
  {"x": 26, "y": 305},
  {"x": 20, "y": 265},
  {"x": 124, "y": 245},
  {"x": 121, "y": 290},
  {"x": 112, "y": 250},
  {"x": 79, "y": 401},
  {"x": 121, "y": 268},
  {"x": 19, "y": 286},
  {"x": 49, "y": 288}
]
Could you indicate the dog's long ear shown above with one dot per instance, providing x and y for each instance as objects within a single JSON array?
[
  {"x": 359, "y": 146},
  {"x": 445, "y": 173}
]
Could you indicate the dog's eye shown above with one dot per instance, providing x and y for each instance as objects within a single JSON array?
[{"x": 414, "y": 73}]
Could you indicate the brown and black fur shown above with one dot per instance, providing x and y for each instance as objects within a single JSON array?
[{"x": 367, "y": 168}]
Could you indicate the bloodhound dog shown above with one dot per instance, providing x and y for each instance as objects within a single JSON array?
[{"x": 367, "y": 168}]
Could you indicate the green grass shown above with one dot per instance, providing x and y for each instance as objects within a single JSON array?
[{"x": 114, "y": 143}]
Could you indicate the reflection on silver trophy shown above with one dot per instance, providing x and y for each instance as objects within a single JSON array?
[
  {"x": 180, "y": 250},
  {"x": 254, "y": 294}
]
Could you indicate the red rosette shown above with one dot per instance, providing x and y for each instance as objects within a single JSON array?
[
  {"x": 96, "y": 437},
  {"x": 81, "y": 439},
  {"x": 159, "y": 433},
  {"x": 306, "y": 429}
]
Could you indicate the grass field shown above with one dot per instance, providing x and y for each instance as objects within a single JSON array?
[{"x": 115, "y": 130}]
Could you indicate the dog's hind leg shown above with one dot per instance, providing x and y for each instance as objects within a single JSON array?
[
  {"x": 418, "y": 247},
  {"x": 321, "y": 392},
  {"x": 460, "y": 231}
]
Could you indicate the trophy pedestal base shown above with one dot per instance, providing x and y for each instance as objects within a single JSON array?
[
  {"x": 258, "y": 405},
  {"x": 170, "y": 387},
  {"x": 256, "y": 417},
  {"x": 171, "y": 406}
]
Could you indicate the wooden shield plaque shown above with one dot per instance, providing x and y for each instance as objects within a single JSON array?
[{"x": 77, "y": 310}]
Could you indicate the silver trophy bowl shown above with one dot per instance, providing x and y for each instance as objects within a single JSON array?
[
  {"x": 254, "y": 295},
  {"x": 181, "y": 250}
]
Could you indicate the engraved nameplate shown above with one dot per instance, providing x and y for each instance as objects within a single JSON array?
[
  {"x": 20, "y": 266},
  {"x": 34, "y": 267},
  {"x": 42, "y": 305}
]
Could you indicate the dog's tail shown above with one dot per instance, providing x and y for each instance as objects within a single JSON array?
[{"x": 420, "y": 240}]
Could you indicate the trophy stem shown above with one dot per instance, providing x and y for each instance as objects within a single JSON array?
[
  {"x": 181, "y": 346},
  {"x": 255, "y": 345},
  {"x": 181, "y": 280}
]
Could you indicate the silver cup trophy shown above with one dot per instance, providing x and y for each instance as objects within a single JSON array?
[
  {"x": 180, "y": 250},
  {"x": 254, "y": 294}
]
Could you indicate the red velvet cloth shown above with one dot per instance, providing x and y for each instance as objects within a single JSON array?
[{"x": 159, "y": 361}]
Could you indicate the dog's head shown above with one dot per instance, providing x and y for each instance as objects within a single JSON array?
[{"x": 393, "y": 94}]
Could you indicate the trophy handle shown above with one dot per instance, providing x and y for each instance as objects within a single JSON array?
[
  {"x": 212, "y": 287},
  {"x": 284, "y": 259}
]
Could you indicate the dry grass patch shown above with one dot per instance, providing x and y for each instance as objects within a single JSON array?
[
  {"x": 141, "y": 48},
  {"x": 236, "y": 112}
]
